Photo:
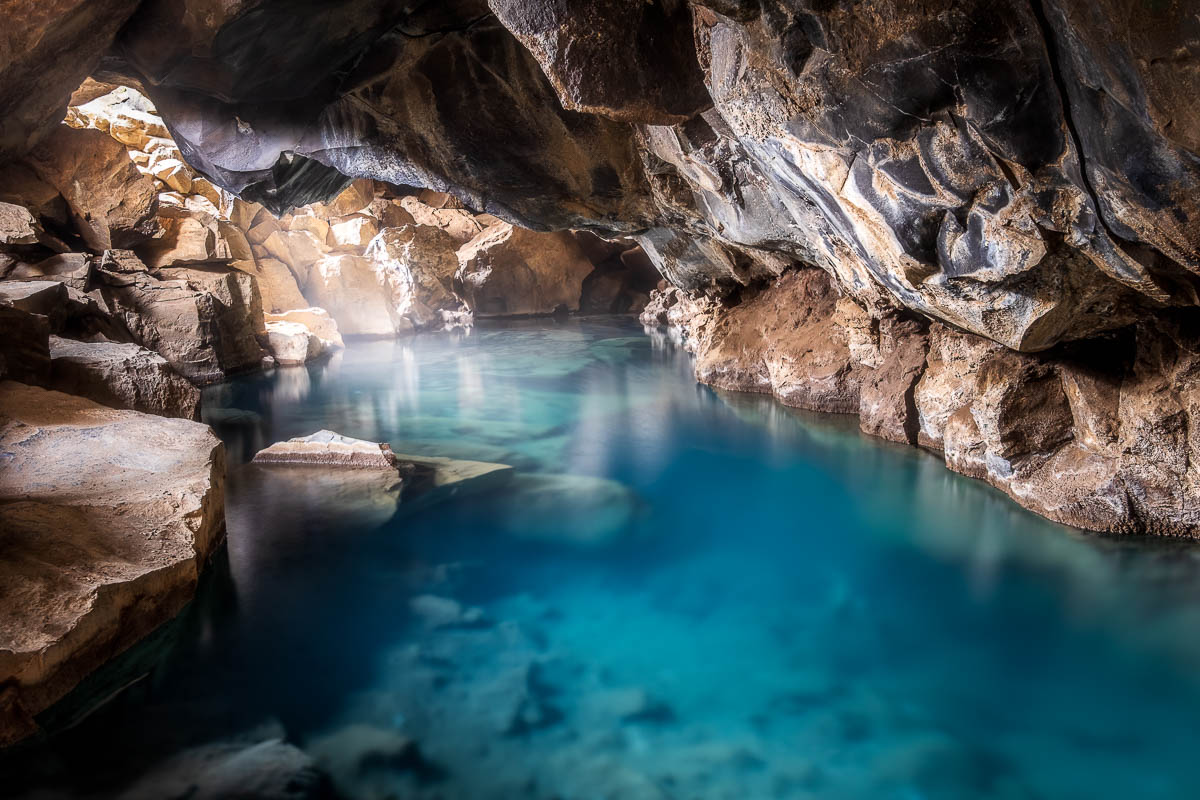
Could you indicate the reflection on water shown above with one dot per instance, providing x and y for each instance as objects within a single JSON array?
[{"x": 683, "y": 594}]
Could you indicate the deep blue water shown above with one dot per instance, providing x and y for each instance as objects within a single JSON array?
[{"x": 726, "y": 599}]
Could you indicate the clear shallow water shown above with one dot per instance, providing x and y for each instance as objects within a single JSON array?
[{"x": 763, "y": 605}]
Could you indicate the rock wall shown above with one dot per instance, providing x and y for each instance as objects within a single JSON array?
[
  {"x": 1099, "y": 434},
  {"x": 1003, "y": 194},
  {"x": 1002, "y": 179}
]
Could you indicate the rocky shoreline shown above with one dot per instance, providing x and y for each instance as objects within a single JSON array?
[{"x": 1096, "y": 435}]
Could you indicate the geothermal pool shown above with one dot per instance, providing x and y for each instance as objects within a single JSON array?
[{"x": 683, "y": 594}]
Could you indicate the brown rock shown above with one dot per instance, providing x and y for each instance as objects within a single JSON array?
[
  {"x": 390, "y": 213},
  {"x": 459, "y": 223},
  {"x": 236, "y": 291},
  {"x": 101, "y": 547},
  {"x": 202, "y": 337},
  {"x": 887, "y": 406},
  {"x": 188, "y": 237},
  {"x": 111, "y": 203},
  {"x": 507, "y": 271},
  {"x": 73, "y": 269},
  {"x": 781, "y": 340},
  {"x": 122, "y": 376},
  {"x": 50, "y": 47},
  {"x": 18, "y": 226},
  {"x": 625, "y": 59},
  {"x": 276, "y": 284},
  {"x": 353, "y": 232},
  {"x": 417, "y": 264},
  {"x": 292, "y": 343},
  {"x": 354, "y": 198},
  {"x": 316, "y": 320}
]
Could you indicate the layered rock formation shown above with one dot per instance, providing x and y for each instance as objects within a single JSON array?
[
  {"x": 1020, "y": 172},
  {"x": 106, "y": 520}
]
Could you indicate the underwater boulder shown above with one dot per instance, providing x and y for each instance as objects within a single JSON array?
[{"x": 578, "y": 510}]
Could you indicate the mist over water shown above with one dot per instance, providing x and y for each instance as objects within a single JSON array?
[{"x": 683, "y": 594}]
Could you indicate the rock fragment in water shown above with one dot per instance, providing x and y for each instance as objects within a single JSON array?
[{"x": 326, "y": 448}]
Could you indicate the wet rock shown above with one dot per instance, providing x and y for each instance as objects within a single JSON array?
[
  {"x": 326, "y": 448},
  {"x": 102, "y": 546},
  {"x": 122, "y": 376},
  {"x": 887, "y": 408},
  {"x": 444, "y": 612},
  {"x": 508, "y": 271},
  {"x": 359, "y": 756},
  {"x": 432, "y": 479}
]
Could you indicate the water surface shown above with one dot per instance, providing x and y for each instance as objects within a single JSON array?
[{"x": 684, "y": 594}]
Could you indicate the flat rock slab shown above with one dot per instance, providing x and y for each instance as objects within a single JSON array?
[
  {"x": 329, "y": 449},
  {"x": 107, "y": 517}
]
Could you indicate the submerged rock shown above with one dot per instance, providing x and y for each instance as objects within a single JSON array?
[
  {"x": 578, "y": 510},
  {"x": 268, "y": 770},
  {"x": 329, "y": 449},
  {"x": 106, "y": 519}
]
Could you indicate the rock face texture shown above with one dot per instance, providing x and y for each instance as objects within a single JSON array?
[
  {"x": 510, "y": 271},
  {"x": 106, "y": 519},
  {"x": 122, "y": 376},
  {"x": 980, "y": 180},
  {"x": 997, "y": 166},
  {"x": 328, "y": 449}
]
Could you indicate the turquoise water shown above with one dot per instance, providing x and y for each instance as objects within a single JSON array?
[{"x": 722, "y": 599}]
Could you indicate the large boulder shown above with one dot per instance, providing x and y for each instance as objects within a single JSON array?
[
  {"x": 111, "y": 203},
  {"x": 107, "y": 518},
  {"x": 351, "y": 290},
  {"x": 202, "y": 337},
  {"x": 292, "y": 344},
  {"x": 122, "y": 376},
  {"x": 506, "y": 271},
  {"x": 625, "y": 59},
  {"x": 418, "y": 263}
]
